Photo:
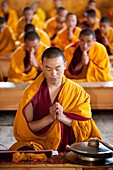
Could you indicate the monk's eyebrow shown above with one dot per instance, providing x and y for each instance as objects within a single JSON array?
[{"x": 51, "y": 67}]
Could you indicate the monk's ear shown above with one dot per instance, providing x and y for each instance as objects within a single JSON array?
[
  {"x": 41, "y": 65},
  {"x": 65, "y": 65}
]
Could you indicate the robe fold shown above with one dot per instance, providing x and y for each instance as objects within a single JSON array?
[
  {"x": 62, "y": 39},
  {"x": 74, "y": 100},
  {"x": 16, "y": 71},
  {"x": 98, "y": 67},
  {"x": 7, "y": 42}
]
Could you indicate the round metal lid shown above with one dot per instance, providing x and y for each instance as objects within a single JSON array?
[{"x": 91, "y": 149}]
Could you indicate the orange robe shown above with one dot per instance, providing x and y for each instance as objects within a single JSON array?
[
  {"x": 99, "y": 38},
  {"x": 50, "y": 28},
  {"x": 98, "y": 68},
  {"x": 73, "y": 99},
  {"x": 12, "y": 19},
  {"x": 7, "y": 42},
  {"x": 16, "y": 70},
  {"x": 62, "y": 39},
  {"x": 42, "y": 34},
  {"x": 93, "y": 27},
  {"x": 22, "y": 22}
]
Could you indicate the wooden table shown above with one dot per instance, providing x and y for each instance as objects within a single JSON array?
[
  {"x": 51, "y": 167},
  {"x": 101, "y": 94}
]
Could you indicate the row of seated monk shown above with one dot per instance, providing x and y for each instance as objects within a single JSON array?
[
  {"x": 86, "y": 59},
  {"x": 81, "y": 47}
]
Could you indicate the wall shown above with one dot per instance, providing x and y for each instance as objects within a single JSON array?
[{"x": 76, "y": 6}]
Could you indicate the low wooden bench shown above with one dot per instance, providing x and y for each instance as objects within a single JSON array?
[
  {"x": 34, "y": 166},
  {"x": 101, "y": 94}
]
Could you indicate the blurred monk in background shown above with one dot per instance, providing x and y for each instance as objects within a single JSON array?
[
  {"x": 91, "y": 20},
  {"x": 27, "y": 18},
  {"x": 90, "y": 5},
  {"x": 69, "y": 34},
  {"x": 87, "y": 60},
  {"x": 53, "y": 11},
  {"x": 104, "y": 34},
  {"x": 7, "y": 39},
  {"x": 56, "y": 23},
  {"x": 10, "y": 15},
  {"x": 25, "y": 61},
  {"x": 42, "y": 34}
]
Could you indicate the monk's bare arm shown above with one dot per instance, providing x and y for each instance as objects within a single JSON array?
[{"x": 37, "y": 124}]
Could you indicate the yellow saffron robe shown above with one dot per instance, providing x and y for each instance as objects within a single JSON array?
[
  {"x": 73, "y": 99},
  {"x": 16, "y": 70},
  {"x": 22, "y": 22},
  {"x": 110, "y": 39},
  {"x": 7, "y": 42},
  {"x": 98, "y": 68},
  {"x": 44, "y": 38},
  {"x": 12, "y": 19},
  {"x": 62, "y": 40}
]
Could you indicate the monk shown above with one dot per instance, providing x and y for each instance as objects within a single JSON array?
[
  {"x": 91, "y": 20},
  {"x": 42, "y": 34},
  {"x": 69, "y": 34},
  {"x": 104, "y": 34},
  {"x": 87, "y": 60},
  {"x": 90, "y": 5},
  {"x": 54, "y": 111},
  {"x": 38, "y": 11},
  {"x": 10, "y": 15},
  {"x": 25, "y": 61},
  {"x": 27, "y": 18},
  {"x": 53, "y": 11},
  {"x": 7, "y": 40},
  {"x": 56, "y": 23}
]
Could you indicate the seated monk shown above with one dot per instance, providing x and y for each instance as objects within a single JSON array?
[
  {"x": 10, "y": 15},
  {"x": 68, "y": 34},
  {"x": 7, "y": 40},
  {"x": 91, "y": 20},
  {"x": 104, "y": 34},
  {"x": 25, "y": 61},
  {"x": 90, "y": 5},
  {"x": 27, "y": 18},
  {"x": 42, "y": 34},
  {"x": 38, "y": 11},
  {"x": 53, "y": 11},
  {"x": 54, "y": 111},
  {"x": 87, "y": 60},
  {"x": 56, "y": 23}
]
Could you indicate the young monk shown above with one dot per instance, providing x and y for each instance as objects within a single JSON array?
[
  {"x": 87, "y": 60},
  {"x": 91, "y": 20},
  {"x": 56, "y": 23},
  {"x": 42, "y": 34},
  {"x": 104, "y": 34},
  {"x": 54, "y": 111},
  {"x": 90, "y": 5},
  {"x": 38, "y": 11},
  {"x": 7, "y": 40},
  {"x": 53, "y": 11},
  {"x": 10, "y": 15},
  {"x": 27, "y": 18},
  {"x": 69, "y": 34},
  {"x": 25, "y": 61}
]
